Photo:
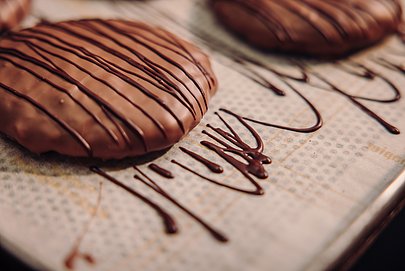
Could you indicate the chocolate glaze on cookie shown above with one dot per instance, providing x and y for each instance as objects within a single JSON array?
[
  {"x": 328, "y": 28},
  {"x": 12, "y": 12},
  {"x": 102, "y": 88}
]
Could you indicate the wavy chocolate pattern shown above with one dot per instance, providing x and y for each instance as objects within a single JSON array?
[
  {"x": 315, "y": 27},
  {"x": 101, "y": 88},
  {"x": 228, "y": 144},
  {"x": 168, "y": 220},
  {"x": 248, "y": 67}
]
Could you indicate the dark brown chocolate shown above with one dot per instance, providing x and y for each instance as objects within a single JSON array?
[
  {"x": 215, "y": 168},
  {"x": 326, "y": 28},
  {"x": 12, "y": 12},
  {"x": 246, "y": 66},
  {"x": 161, "y": 171},
  {"x": 168, "y": 220},
  {"x": 227, "y": 146},
  {"x": 255, "y": 161},
  {"x": 101, "y": 88},
  {"x": 145, "y": 179}
]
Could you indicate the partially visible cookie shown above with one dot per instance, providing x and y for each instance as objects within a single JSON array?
[
  {"x": 102, "y": 88},
  {"x": 12, "y": 12},
  {"x": 328, "y": 28}
]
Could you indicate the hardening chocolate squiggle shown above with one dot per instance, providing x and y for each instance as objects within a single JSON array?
[
  {"x": 365, "y": 73},
  {"x": 214, "y": 167},
  {"x": 227, "y": 145},
  {"x": 168, "y": 220},
  {"x": 145, "y": 179},
  {"x": 161, "y": 171}
]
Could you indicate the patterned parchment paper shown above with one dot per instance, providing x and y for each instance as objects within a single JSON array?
[{"x": 319, "y": 183}]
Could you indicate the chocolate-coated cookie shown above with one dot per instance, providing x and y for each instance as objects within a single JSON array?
[
  {"x": 102, "y": 88},
  {"x": 328, "y": 28}
]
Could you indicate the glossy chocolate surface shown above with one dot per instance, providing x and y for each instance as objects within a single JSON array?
[{"x": 101, "y": 88}]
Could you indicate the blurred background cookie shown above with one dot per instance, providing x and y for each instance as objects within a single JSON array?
[
  {"x": 12, "y": 12},
  {"x": 327, "y": 28}
]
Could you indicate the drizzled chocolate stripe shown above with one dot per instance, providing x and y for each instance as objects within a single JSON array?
[
  {"x": 107, "y": 66},
  {"x": 209, "y": 164},
  {"x": 173, "y": 41},
  {"x": 62, "y": 123},
  {"x": 392, "y": 129},
  {"x": 169, "y": 60},
  {"x": 168, "y": 220},
  {"x": 151, "y": 71},
  {"x": 36, "y": 48},
  {"x": 145, "y": 179},
  {"x": 102, "y": 102},
  {"x": 149, "y": 67},
  {"x": 338, "y": 15},
  {"x": 367, "y": 73},
  {"x": 154, "y": 96},
  {"x": 161, "y": 171},
  {"x": 223, "y": 146},
  {"x": 63, "y": 90}
]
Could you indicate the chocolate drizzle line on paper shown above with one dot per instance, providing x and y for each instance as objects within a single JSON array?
[
  {"x": 161, "y": 171},
  {"x": 253, "y": 156},
  {"x": 254, "y": 165},
  {"x": 145, "y": 179},
  {"x": 168, "y": 221},
  {"x": 75, "y": 253},
  {"x": 250, "y": 65},
  {"x": 390, "y": 128},
  {"x": 215, "y": 168}
]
